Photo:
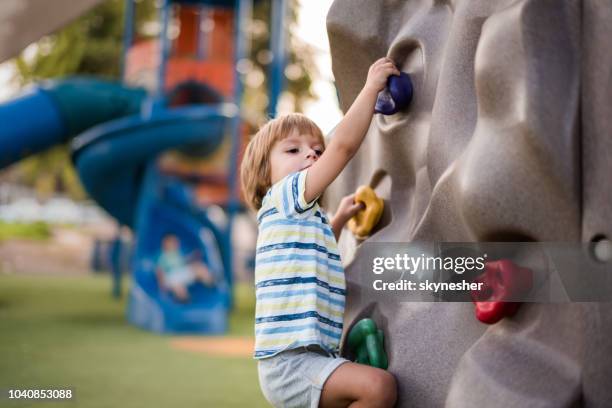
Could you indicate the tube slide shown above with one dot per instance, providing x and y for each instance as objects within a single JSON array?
[
  {"x": 116, "y": 162},
  {"x": 53, "y": 112}
]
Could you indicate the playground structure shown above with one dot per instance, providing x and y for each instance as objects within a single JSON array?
[
  {"x": 507, "y": 138},
  {"x": 120, "y": 131}
]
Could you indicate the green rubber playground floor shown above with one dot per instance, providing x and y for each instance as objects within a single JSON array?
[{"x": 67, "y": 332}]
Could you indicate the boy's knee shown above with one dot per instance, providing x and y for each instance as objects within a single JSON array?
[
  {"x": 389, "y": 389},
  {"x": 383, "y": 390}
]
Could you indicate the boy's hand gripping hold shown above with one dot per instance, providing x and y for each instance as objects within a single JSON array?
[{"x": 350, "y": 132}]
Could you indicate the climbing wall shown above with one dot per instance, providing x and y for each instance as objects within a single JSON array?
[{"x": 508, "y": 138}]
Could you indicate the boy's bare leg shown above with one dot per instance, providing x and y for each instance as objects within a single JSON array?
[
  {"x": 160, "y": 280},
  {"x": 358, "y": 385}
]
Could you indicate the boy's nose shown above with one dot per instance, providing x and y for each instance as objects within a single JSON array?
[{"x": 312, "y": 154}]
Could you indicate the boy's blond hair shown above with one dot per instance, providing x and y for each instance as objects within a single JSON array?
[{"x": 255, "y": 168}]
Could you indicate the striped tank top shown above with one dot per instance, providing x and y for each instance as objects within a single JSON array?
[{"x": 299, "y": 279}]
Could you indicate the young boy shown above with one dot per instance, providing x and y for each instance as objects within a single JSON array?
[
  {"x": 299, "y": 279},
  {"x": 174, "y": 273}
]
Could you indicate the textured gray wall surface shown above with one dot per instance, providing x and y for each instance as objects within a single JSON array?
[{"x": 508, "y": 138}]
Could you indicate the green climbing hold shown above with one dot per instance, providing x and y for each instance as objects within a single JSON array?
[{"x": 366, "y": 341}]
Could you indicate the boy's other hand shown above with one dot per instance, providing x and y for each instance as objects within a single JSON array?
[
  {"x": 378, "y": 73},
  {"x": 348, "y": 208}
]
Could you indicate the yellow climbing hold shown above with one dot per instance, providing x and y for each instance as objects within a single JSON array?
[{"x": 365, "y": 220}]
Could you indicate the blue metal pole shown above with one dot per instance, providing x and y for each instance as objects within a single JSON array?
[
  {"x": 164, "y": 43},
  {"x": 116, "y": 264},
  {"x": 128, "y": 33},
  {"x": 276, "y": 80},
  {"x": 243, "y": 12}
]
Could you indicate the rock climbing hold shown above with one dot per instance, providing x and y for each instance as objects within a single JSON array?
[
  {"x": 366, "y": 341},
  {"x": 396, "y": 95},
  {"x": 502, "y": 280},
  {"x": 365, "y": 220}
]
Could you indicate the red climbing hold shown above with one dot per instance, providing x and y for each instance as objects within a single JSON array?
[{"x": 502, "y": 280}]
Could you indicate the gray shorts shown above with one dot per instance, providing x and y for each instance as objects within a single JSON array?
[{"x": 295, "y": 378}]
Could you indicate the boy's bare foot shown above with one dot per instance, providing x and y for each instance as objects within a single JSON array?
[
  {"x": 181, "y": 294},
  {"x": 203, "y": 274}
]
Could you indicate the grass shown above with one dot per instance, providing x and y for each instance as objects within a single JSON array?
[
  {"x": 59, "y": 332},
  {"x": 39, "y": 231}
]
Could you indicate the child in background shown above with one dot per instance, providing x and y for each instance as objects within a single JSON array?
[
  {"x": 174, "y": 273},
  {"x": 300, "y": 285}
]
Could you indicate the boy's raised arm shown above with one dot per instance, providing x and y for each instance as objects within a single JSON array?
[{"x": 350, "y": 131}]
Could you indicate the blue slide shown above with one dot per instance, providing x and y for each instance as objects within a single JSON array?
[
  {"x": 55, "y": 111},
  {"x": 115, "y": 154}
]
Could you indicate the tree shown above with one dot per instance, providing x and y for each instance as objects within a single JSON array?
[
  {"x": 300, "y": 68},
  {"x": 90, "y": 45}
]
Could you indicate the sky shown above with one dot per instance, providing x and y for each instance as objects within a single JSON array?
[
  {"x": 310, "y": 29},
  {"x": 7, "y": 88}
]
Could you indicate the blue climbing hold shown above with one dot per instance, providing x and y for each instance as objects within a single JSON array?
[{"x": 396, "y": 95}]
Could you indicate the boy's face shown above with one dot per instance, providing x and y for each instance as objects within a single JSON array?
[
  {"x": 170, "y": 243},
  {"x": 294, "y": 153}
]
